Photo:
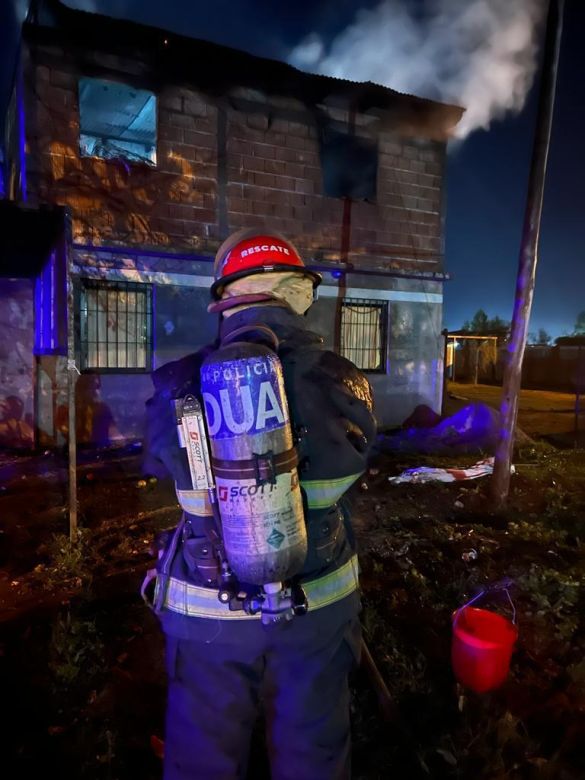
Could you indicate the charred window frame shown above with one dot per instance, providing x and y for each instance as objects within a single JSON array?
[
  {"x": 117, "y": 121},
  {"x": 115, "y": 326},
  {"x": 363, "y": 333}
]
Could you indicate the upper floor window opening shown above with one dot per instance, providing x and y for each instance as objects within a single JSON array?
[
  {"x": 116, "y": 120},
  {"x": 349, "y": 165}
]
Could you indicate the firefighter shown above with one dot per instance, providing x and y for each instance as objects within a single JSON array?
[{"x": 223, "y": 661}]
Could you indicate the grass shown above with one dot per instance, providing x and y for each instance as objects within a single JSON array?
[
  {"x": 413, "y": 541},
  {"x": 540, "y": 412}
]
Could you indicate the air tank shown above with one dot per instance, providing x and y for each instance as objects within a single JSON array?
[{"x": 254, "y": 463}]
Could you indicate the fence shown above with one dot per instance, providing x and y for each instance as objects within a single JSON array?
[{"x": 476, "y": 360}]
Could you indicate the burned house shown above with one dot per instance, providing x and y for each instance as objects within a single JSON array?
[{"x": 153, "y": 147}]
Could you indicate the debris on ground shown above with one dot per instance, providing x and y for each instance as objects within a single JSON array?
[{"x": 427, "y": 474}]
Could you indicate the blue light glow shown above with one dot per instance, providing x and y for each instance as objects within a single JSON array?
[{"x": 50, "y": 308}]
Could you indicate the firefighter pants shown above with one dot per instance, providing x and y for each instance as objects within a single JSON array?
[{"x": 298, "y": 675}]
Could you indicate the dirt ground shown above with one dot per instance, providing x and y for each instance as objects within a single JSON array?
[{"x": 81, "y": 658}]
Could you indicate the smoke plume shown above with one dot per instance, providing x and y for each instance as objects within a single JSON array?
[{"x": 480, "y": 54}]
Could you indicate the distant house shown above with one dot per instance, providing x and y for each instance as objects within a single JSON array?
[{"x": 157, "y": 146}]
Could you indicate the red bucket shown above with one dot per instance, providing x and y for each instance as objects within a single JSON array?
[{"x": 482, "y": 648}]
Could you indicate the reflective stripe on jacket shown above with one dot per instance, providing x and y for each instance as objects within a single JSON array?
[
  {"x": 195, "y": 502},
  {"x": 324, "y": 493},
  {"x": 321, "y": 494}
]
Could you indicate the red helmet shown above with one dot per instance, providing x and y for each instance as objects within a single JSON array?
[{"x": 251, "y": 252}]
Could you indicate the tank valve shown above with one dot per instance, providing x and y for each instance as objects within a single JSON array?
[{"x": 277, "y": 604}]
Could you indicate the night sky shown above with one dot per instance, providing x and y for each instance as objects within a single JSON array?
[{"x": 487, "y": 174}]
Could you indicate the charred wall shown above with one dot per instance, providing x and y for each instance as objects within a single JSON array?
[{"x": 227, "y": 161}]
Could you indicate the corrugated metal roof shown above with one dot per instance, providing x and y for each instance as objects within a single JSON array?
[{"x": 170, "y": 58}]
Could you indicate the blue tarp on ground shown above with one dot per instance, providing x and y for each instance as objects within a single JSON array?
[{"x": 474, "y": 428}]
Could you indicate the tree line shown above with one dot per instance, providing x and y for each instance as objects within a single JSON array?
[{"x": 481, "y": 323}]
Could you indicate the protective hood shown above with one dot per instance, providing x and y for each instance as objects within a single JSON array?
[{"x": 290, "y": 288}]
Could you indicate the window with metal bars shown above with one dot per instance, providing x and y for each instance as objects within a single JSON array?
[
  {"x": 115, "y": 326},
  {"x": 363, "y": 333}
]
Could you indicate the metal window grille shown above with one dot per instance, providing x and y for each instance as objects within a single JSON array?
[
  {"x": 363, "y": 333},
  {"x": 115, "y": 326}
]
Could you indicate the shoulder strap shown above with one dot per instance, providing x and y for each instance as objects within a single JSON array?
[{"x": 260, "y": 334}]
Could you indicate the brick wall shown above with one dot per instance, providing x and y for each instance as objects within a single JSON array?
[
  {"x": 172, "y": 205},
  {"x": 266, "y": 173}
]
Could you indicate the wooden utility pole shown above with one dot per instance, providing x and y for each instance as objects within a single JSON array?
[{"x": 528, "y": 257}]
